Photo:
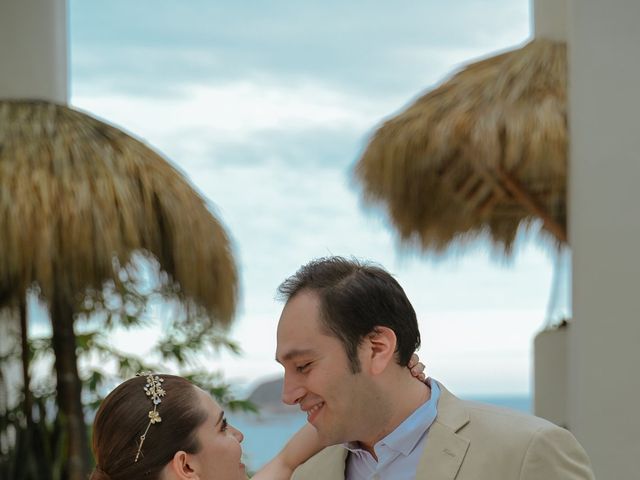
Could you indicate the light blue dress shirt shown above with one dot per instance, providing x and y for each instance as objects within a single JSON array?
[{"x": 399, "y": 452}]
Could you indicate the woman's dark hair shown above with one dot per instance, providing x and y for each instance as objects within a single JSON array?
[
  {"x": 355, "y": 298},
  {"x": 123, "y": 417}
]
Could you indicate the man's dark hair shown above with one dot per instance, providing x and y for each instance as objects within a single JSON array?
[{"x": 355, "y": 298}]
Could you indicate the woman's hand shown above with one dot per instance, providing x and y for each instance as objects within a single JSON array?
[{"x": 417, "y": 367}]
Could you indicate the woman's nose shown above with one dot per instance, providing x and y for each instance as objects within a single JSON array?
[{"x": 238, "y": 434}]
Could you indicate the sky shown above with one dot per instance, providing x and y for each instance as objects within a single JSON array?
[{"x": 265, "y": 107}]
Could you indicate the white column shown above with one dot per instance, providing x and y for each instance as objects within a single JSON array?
[
  {"x": 550, "y": 345},
  {"x": 33, "y": 50},
  {"x": 604, "y": 229},
  {"x": 550, "y": 19},
  {"x": 550, "y": 375}
]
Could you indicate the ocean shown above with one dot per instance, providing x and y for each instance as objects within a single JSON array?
[{"x": 265, "y": 434}]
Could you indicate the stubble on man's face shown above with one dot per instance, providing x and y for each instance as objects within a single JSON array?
[{"x": 350, "y": 402}]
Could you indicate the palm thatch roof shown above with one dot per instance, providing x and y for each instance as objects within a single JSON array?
[
  {"x": 485, "y": 152},
  {"x": 79, "y": 197}
]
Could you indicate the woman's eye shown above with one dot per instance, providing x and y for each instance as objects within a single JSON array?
[
  {"x": 223, "y": 427},
  {"x": 302, "y": 368}
]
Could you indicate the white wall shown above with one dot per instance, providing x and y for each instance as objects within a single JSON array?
[
  {"x": 550, "y": 19},
  {"x": 604, "y": 344},
  {"x": 550, "y": 375},
  {"x": 33, "y": 50}
]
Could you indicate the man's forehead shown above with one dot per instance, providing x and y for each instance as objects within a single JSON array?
[
  {"x": 300, "y": 316},
  {"x": 304, "y": 302},
  {"x": 293, "y": 354},
  {"x": 300, "y": 331}
]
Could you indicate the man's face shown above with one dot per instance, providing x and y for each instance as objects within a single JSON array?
[{"x": 317, "y": 374}]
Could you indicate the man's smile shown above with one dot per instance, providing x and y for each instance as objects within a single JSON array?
[{"x": 312, "y": 412}]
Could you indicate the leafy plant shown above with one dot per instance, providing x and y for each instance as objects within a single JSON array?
[{"x": 32, "y": 446}]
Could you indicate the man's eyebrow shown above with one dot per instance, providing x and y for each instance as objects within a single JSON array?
[
  {"x": 291, "y": 354},
  {"x": 220, "y": 417}
]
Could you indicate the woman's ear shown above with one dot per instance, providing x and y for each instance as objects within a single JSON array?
[
  {"x": 180, "y": 467},
  {"x": 382, "y": 344}
]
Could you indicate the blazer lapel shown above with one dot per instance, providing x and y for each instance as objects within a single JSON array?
[
  {"x": 445, "y": 449},
  {"x": 329, "y": 464},
  {"x": 336, "y": 469},
  {"x": 442, "y": 455}
]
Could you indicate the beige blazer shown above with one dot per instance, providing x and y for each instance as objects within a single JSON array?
[{"x": 473, "y": 441}]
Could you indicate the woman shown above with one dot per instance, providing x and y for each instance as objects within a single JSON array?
[{"x": 162, "y": 427}]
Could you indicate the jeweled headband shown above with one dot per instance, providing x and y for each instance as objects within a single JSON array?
[{"x": 153, "y": 389}]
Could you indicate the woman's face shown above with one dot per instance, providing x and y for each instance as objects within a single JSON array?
[{"x": 220, "y": 450}]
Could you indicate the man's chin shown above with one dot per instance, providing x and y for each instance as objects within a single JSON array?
[{"x": 328, "y": 437}]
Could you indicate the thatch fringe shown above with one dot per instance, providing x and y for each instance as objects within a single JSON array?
[
  {"x": 446, "y": 167},
  {"x": 78, "y": 196}
]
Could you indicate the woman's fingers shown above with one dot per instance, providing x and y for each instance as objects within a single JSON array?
[
  {"x": 413, "y": 361},
  {"x": 417, "y": 367}
]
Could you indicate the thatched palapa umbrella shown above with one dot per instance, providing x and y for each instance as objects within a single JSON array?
[
  {"x": 485, "y": 152},
  {"x": 79, "y": 197}
]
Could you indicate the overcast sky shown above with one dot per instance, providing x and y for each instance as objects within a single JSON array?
[{"x": 266, "y": 106}]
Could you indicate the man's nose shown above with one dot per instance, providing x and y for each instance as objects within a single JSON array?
[{"x": 292, "y": 392}]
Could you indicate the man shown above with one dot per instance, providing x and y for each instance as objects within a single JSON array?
[{"x": 345, "y": 334}]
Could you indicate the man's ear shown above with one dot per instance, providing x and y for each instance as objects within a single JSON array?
[
  {"x": 181, "y": 466},
  {"x": 382, "y": 347}
]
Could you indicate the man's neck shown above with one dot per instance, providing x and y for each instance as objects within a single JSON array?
[{"x": 405, "y": 396}]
